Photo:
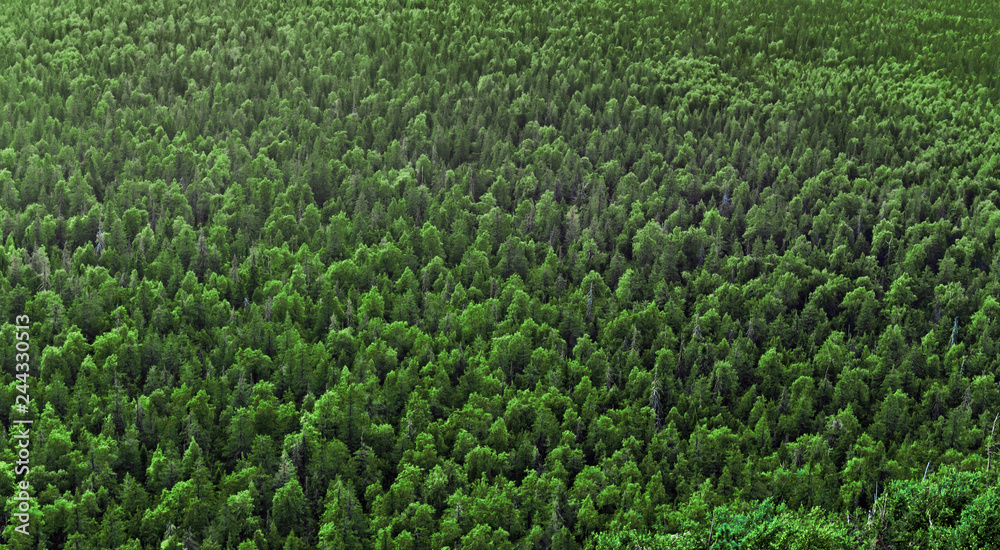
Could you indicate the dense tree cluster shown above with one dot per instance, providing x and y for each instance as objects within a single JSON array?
[{"x": 474, "y": 275}]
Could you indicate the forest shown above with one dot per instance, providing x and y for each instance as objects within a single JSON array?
[{"x": 440, "y": 274}]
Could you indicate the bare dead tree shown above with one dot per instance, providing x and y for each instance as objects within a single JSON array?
[{"x": 990, "y": 445}]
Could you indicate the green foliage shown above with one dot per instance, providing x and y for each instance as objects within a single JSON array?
[{"x": 457, "y": 275}]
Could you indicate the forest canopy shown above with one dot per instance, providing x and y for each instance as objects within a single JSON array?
[{"x": 560, "y": 275}]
